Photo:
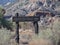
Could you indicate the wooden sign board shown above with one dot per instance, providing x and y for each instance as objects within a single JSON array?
[{"x": 26, "y": 18}]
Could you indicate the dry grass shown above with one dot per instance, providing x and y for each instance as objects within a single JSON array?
[
  {"x": 41, "y": 42},
  {"x": 45, "y": 36},
  {"x": 4, "y": 36},
  {"x": 48, "y": 36},
  {"x": 25, "y": 36}
]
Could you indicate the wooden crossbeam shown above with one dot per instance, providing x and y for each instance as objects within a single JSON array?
[{"x": 26, "y": 18}]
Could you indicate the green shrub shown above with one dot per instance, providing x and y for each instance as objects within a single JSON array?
[{"x": 3, "y": 22}]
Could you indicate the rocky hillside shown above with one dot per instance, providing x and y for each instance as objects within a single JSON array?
[{"x": 49, "y": 27}]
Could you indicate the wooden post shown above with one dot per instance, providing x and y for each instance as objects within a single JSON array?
[
  {"x": 17, "y": 29},
  {"x": 36, "y": 27}
]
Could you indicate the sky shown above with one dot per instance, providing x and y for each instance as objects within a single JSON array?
[{"x": 3, "y": 2}]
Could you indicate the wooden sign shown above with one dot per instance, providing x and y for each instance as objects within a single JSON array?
[
  {"x": 33, "y": 19},
  {"x": 26, "y": 18}
]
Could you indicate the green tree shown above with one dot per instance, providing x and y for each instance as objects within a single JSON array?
[{"x": 3, "y": 22}]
